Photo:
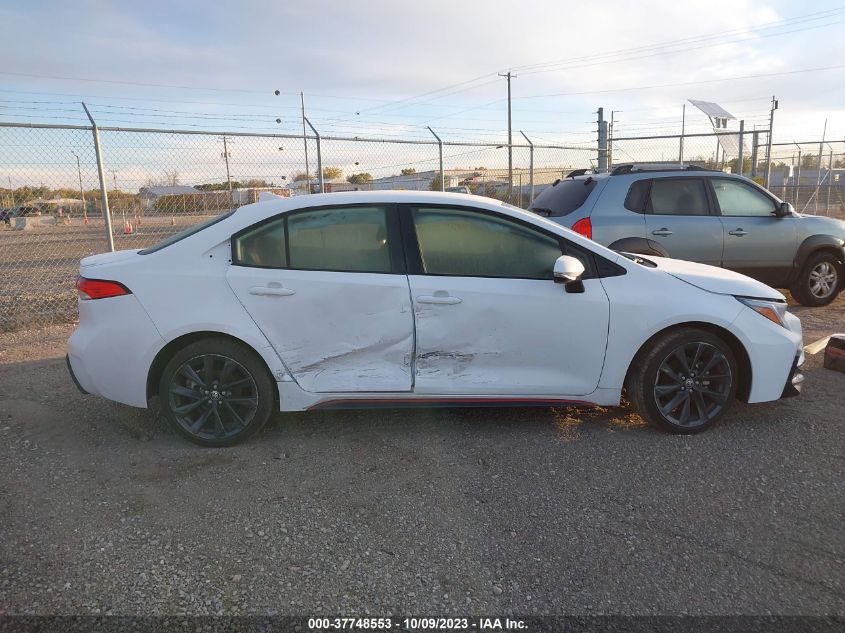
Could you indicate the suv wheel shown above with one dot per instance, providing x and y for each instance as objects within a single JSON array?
[
  {"x": 684, "y": 381},
  {"x": 819, "y": 281}
]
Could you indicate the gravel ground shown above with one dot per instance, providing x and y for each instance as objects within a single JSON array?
[{"x": 527, "y": 511}]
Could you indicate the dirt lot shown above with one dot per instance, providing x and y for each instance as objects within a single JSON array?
[{"x": 528, "y": 511}]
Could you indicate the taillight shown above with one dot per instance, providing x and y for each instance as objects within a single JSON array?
[
  {"x": 584, "y": 227},
  {"x": 100, "y": 288}
]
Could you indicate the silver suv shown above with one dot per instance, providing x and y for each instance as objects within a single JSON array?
[{"x": 704, "y": 216}]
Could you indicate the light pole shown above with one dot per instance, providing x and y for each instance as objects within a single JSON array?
[
  {"x": 81, "y": 190},
  {"x": 509, "y": 76}
]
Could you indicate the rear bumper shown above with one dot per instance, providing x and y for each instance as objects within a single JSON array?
[{"x": 73, "y": 376}]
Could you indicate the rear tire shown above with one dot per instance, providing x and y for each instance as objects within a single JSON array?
[
  {"x": 216, "y": 392},
  {"x": 683, "y": 381},
  {"x": 819, "y": 281}
]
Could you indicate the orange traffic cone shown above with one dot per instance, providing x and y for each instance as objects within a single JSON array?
[
  {"x": 127, "y": 228},
  {"x": 85, "y": 220},
  {"x": 172, "y": 221}
]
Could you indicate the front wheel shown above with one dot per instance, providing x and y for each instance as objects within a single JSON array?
[
  {"x": 216, "y": 392},
  {"x": 819, "y": 281},
  {"x": 684, "y": 382}
]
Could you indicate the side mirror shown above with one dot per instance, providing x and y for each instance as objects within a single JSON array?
[
  {"x": 568, "y": 270},
  {"x": 784, "y": 210}
]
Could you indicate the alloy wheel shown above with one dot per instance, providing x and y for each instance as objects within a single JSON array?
[
  {"x": 693, "y": 384},
  {"x": 213, "y": 397},
  {"x": 823, "y": 280}
]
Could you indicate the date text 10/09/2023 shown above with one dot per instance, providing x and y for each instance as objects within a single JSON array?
[{"x": 416, "y": 624}]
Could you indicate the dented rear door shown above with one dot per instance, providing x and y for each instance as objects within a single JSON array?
[{"x": 327, "y": 287}]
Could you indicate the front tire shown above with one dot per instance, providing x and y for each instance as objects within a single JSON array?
[
  {"x": 819, "y": 280},
  {"x": 684, "y": 381},
  {"x": 216, "y": 392}
]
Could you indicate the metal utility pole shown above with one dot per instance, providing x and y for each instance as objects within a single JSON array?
[
  {"x": 79, "y": 173},
  {"x": 226, "y": 157},
  {"x": 114, "y": 178},
  {"x": 602, "y": 142},
  {"x": 769, "y": 144},
  {"x": 509, "y": 76},
  {"x": 305, "y": 142},
  {"x": 683, "y": 129}
]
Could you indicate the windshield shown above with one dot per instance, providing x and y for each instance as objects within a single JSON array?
[
  {"x": 563, "y": 198},
  {"x": 181, "y": 235}
]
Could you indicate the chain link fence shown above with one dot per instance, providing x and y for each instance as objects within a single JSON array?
[{"x": 156, "y": 183}]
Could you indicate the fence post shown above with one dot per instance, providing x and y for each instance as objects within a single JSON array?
[
  {"x": 739, "y": 160},
  {"x": 440, "y": 149},
  {"x": 530, "y": 168},
  {"x": 755, "y": 141},
  {"x": 602, "y": 144},
  {"x": 319, "y": 158},
  {"x": 104, "y": 195}
]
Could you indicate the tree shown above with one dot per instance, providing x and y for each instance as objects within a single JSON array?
[
  {"x": 436, "y": 183},
  {"x": 409, "y": 171},
  {"x": 330, "y": 173},
  {"x": 359, "y": 179},
  {"x": 301, "y": 176}
]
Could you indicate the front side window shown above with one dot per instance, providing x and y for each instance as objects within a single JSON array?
[
  {"x": 738, "y": 198},
  {"x": 349, "y": 239},
  {"x": 468, "y": 243},
  {"x": 678, "y": 196}
]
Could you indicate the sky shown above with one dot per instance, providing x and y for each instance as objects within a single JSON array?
[{"x": 388, "y": 70}]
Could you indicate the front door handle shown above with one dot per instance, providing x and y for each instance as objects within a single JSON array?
[
  {"x": 738, "y": 232},
  {"x": 446, "y": 300},
  {"x": 271, "y": 291},
  {"x": 664, "y": 232}
]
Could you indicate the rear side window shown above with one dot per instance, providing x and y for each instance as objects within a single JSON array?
[
  {"x": 344, "y": 239},
  {"x": 678, "y": 196},
  {"x": 563, "y": 198},
  {"x": 637, "y": 194}
]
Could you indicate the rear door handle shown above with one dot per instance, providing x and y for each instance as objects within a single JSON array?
[
  {"x": 447, "y": 300},
  {"x": 271, "y": 291},
  {"x": 664, "y": 232},
  {"x": 738, "y": 232}
]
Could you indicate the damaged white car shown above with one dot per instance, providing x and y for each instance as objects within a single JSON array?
[{"x": 393, "y": 298}]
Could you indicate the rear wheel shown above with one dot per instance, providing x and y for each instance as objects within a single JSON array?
[
  {"x": 819, "y": 280},
  {"x": 216, "y": 392},
  {"x": 684, "y": 382}
]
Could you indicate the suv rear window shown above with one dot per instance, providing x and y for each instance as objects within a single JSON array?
[{"x": 563, "y": 198}]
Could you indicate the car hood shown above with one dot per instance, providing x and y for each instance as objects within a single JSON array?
[
  {"x": 108, "y": 258},
  {"x": 716, "y": 280}
]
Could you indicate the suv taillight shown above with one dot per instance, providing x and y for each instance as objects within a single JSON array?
[
  {"x": 584, "y": 227},
  {"x": 99, "y": 288}
]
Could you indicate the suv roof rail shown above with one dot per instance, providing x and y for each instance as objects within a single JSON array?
[
  {"x": 577, "y": 172},
  {"x": 629, "y": 169}
]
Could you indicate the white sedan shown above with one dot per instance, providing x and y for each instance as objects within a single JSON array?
[{"x": 415, "y": 299}]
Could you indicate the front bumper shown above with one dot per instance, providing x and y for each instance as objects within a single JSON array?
[{"x": 795, "y": 379}]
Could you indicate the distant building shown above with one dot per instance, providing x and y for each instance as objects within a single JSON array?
[{"x": 149, "y": 195}]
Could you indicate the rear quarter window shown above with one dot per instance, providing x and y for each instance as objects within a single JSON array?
[
  {"x": 637, "y": 195},
  {"x": 563, "y": 198}
]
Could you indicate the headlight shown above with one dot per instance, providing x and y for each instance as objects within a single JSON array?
[{"x": 774, "y": 311}]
